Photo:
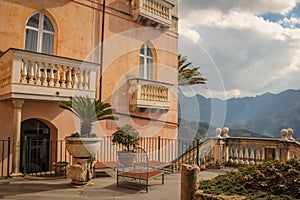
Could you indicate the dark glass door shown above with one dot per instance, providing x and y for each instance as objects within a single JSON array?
[{"x": 34, "y": 154}]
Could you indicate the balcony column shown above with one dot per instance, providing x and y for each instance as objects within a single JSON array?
[{"x": 17, "y": 114}]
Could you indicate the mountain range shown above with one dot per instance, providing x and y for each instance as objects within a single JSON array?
[{"x": 265, "y": 114}]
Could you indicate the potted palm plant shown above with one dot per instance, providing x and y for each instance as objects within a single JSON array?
[
  {"x": 128, "y": 138},
  {"x": 85, "y": 144}
]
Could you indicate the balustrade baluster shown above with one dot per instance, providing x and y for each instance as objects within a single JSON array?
[
  {"x": 75, "y": 82},
  {"x": 203, "y": 161},
  {"x": 257, "y": 154},
  {"x": 63, "y": 77},
  {"x": 84, "y": 85},
  {"x": 263, "y": 154},
  {"x": 38, "y": 74},
  {"x": 252, "y": 155},
  {"x": 151, "y": 6},
  {"x": 160, "y": 9},
  {"x": 156, "y": 11},
  {"x": 225, "y": 154},
  {"x": 164, "y": 94},
  {"x": 149, "y": 93},
  {"x": 160, "y": 94},
  {"x": 241, "y": 155},
  {"x": 23, "y": 72},
  {"x": 45, "y": 75},
  {"x": 166, "y": 13},
  {"x": 236, "y": 155},
  {"x": 146, "y": 92},
  {"x": 69, "y": 77},
  {"x": 163, "y": 10},
  {"x": 88, "y": 79},
  {"x": 156, "y": 93},
  {"x": 142, "y": 92},
  {"x": 230, "y": 149},
  {"x": 246, "y": 161},
  {"x": 80, "y": 79},
  {"x": 152, "y": 92},
  {"x": 31, "y": 73},
  {"x": 57, "y": 76},
  {"x": 51, "y": 75}
]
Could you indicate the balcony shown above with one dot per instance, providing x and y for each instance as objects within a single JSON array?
[
  {"x": 31, "y": 75},
  {"x": 156, "y": 13},
  {"x": 146, "y": 94}
]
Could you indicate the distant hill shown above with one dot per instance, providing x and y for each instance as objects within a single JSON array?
[
  {"x": 191, "y": 130},
  {"x": 266, "y": 114}
]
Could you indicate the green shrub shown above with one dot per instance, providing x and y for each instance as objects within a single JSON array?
[{"x": 268, "y": 180}]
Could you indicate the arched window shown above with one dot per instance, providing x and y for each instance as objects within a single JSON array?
[
  {"x": 146, "y": 62},
  {"x": 39, "y": 34}
]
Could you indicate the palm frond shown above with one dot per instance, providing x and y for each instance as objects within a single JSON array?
[
  {"x": 88, "y": 110},
  {"x": 188, "y": 74}
]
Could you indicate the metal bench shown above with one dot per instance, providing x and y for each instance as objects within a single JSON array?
[{"x": 136, "y": 174}]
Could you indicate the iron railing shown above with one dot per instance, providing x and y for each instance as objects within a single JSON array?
[
  {"x": 50, "y": 158},
  {"x": 44, "y": 157},
  {"x": 158, "y": 149}
]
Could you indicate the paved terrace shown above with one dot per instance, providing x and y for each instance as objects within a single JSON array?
[{"x": 104, "y": 187}]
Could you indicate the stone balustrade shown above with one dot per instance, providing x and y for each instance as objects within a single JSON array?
[
  {"x": 149, "y": 94},
  {"x": 157, "y": 12},
  {"x": 35, "y": 74},
  {"x": 224, "y": 149},
  {"x": 154, "y": 92},
  {"x": 156, "y": 8}
]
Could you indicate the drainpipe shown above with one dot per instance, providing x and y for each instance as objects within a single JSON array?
[{"x": 101, "y": 53}]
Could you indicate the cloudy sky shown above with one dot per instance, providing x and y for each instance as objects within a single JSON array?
[{"x": 244, "y": 47}]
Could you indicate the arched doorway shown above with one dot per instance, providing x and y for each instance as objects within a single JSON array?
[{"x": 35, "y": 155}]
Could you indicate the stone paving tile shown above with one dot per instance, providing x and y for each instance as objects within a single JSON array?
[{"x": 104, "y": 188}]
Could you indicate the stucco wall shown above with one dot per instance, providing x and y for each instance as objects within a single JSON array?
[{"x": 77, "y": 33}]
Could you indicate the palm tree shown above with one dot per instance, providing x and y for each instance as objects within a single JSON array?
[
  {"x": 187, "y": 74},
  {"x": 88, "y": 111}
]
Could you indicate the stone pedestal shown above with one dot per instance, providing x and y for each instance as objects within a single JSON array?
[
  {"x": 189, "y": 181},
  {"x": 81, "y": 171}
]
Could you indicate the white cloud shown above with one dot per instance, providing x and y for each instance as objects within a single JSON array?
[
  {"x": 253, "y": 6},
  {"x": 189, "y": 32},
  {"x": 290, "y": 22},
  {"x": 251, "y": 54},
  {"x": 237, "y": 20}
]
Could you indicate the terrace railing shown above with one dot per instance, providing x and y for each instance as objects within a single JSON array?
[
  {"x": 223, "y": 150},
  {"x": 25, "y": 74}
]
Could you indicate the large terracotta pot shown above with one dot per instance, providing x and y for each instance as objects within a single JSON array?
[{"x": 80, "y": 147}]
